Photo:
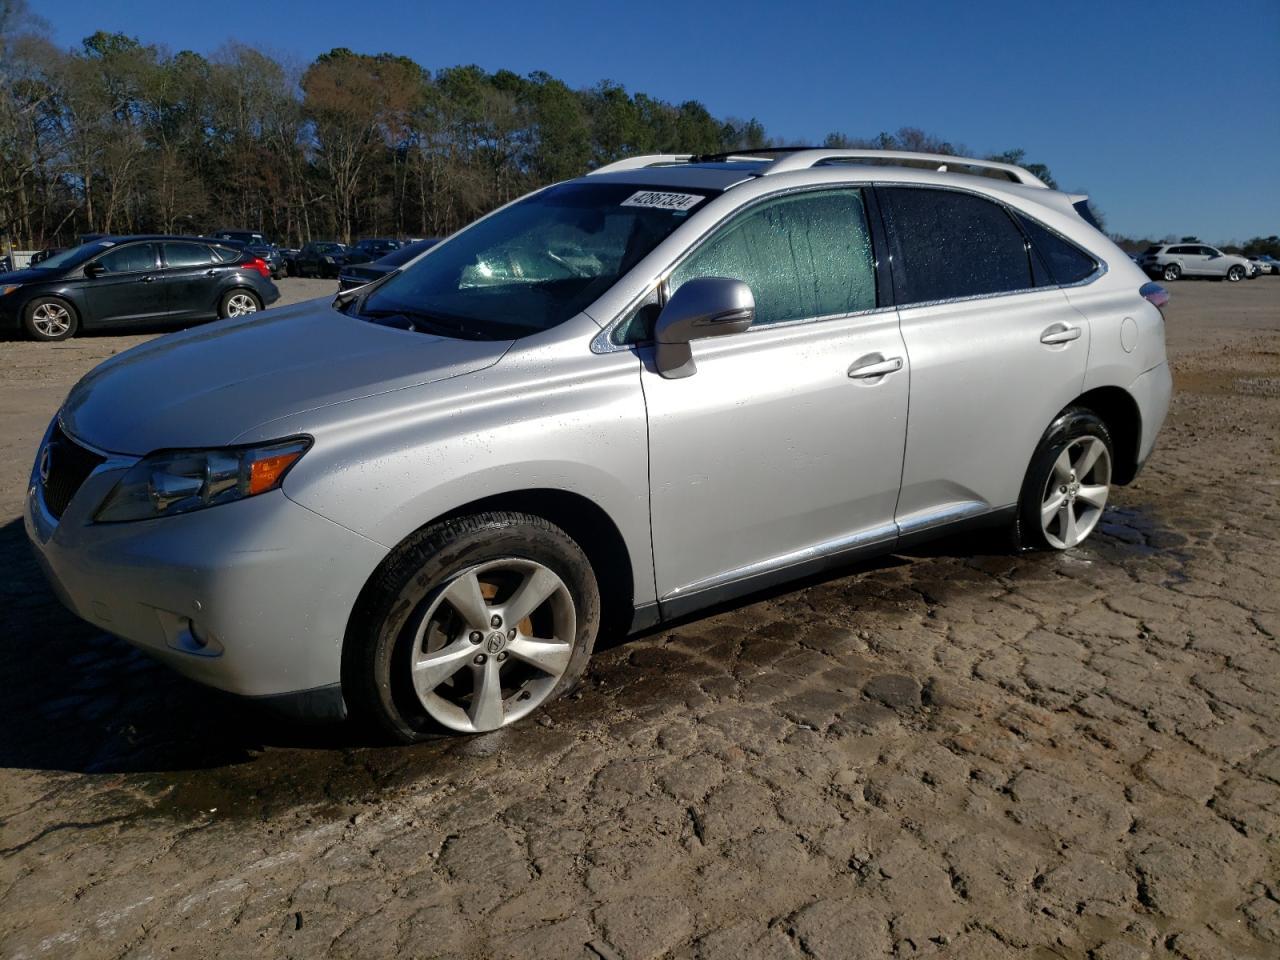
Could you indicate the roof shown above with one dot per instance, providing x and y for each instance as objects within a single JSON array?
[{"x": 722, "y": 171}]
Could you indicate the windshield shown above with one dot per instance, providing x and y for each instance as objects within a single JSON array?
[
  {"x": 537, "y": 263},
  {"x": 73, "y": 257},
  {"x": 398, "y": 258}
]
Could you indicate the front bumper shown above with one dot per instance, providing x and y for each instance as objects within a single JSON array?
[{"x": 250, "y": 597}]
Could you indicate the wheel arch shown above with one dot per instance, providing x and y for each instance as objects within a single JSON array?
[
  {"x": 582, "y": 519},
  {"x": 1119, "y": 411}
]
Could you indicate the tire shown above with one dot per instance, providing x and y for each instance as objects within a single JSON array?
[
  {"x": 1172, "y": 271},
  {"x": 1235, "y": 274},
  {"x": 427, "y": 606},
  {"x": 1067, "y": 484},
  {"x": 50, "y": 318},
  {"x": 238, "y": 302}
]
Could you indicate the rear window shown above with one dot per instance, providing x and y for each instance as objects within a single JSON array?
[
  {"x": 947, "y": 245},
  {"x": 186, "y": 254},
  {"x": 1064, "y": 262},
  {"x": 227, "y": 254},
  {"x": 1086, "y": 214}
]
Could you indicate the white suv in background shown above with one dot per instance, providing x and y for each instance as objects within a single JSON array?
[{"x": 1172, "y": 261}]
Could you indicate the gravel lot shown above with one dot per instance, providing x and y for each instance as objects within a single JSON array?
[{"x": 952, "y": 752}]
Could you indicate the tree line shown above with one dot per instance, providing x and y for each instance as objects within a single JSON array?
[{"x": 120, "y": 136}]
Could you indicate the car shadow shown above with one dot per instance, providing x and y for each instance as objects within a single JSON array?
[{"x": 75, "y": 699}]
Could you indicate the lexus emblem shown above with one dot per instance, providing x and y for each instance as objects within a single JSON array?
[{"x": 46, "y": 459}]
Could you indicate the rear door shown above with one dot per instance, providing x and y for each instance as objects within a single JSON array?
[
  {"x": 191, "y": 279},
  {"x": 781, "y": 450},
  {"x": 127, "y": 288},
  {"x": 993, "y": 357}
]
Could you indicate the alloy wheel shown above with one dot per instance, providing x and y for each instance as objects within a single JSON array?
[
  {"x": 1076, "y": 493},
  {"x": 240, "y": 304},
  {"x": 51, "y": 319},
  {"x": 1171, "y": 272},
  {"x": 490, "y": 645}
]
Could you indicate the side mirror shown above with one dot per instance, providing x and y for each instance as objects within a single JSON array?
[
  {"x": 94, "y": 270},
  {"x": 705, "y": 307}
]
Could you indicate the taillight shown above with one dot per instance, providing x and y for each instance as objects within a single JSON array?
[
  {"x": 257, "y": 263},
  {"x": 1154, "y": 294}
]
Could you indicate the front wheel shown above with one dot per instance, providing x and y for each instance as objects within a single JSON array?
[
  {"x": 1235, "y": 274},
  {"x": 1172, "y": 272},
  {"x": 470, "y": 625},
  {"x": 1067, "y": 484},
  {"x": 49, "y": 318},
  {"x": 238, "y": 303}
]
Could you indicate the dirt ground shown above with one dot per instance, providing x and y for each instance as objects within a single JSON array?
[{"x": 953, "y": 752}]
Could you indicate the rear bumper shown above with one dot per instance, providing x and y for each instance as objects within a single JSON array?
[
  {"x": 250, "y": 597},
  {"x": 1152, "y": 392}
]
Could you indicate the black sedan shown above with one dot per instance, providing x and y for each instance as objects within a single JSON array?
[
  {"x": 358, "y": 276},
  {"x": 142, "y": 279},
  {"x": 367, "y": 251},
  {"x": 320, "y": 258}
]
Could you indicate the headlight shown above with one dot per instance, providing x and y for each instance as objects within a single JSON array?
[
  {"x": 179, "y": 481},
  {"x": 8, "y": 288}
]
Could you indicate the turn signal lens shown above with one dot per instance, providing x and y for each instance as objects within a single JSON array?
[{"x": 264, "y": 474}]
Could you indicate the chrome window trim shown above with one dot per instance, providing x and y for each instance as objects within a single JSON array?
[{"x": 603, "y": 343}]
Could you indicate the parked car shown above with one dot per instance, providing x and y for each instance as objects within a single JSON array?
[
  {"x": 359, "y": 275},
  {"x": 1260, "y": 265},
  {"x": 366, "y": 251},
  {"x": 320, "y": 258},
  {"x": 1271, "y": 262},
  {"x": 41, "y": 255},
  {"x": 423, "y": 502},
  {"x": 1172, "y": 261},
  {"x": 130, "y": 280},
  {"x": 258, "y": 245}
]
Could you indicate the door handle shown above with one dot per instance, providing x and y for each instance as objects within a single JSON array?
[
  {"x": 874, "y": 365},
  {"x": 1060, "y": 333},
  {"x": 147, "y": 279}
]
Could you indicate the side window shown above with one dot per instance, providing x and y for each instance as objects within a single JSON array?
[
  {"x": 1065, "y": 262},
  {"x": 131, "y": 259},
  {"x": 804, "y": 256},
  {"x": 187, "y": 254},
  {"x": 948, "y": 244}
]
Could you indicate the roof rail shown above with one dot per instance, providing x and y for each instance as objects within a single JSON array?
[
  {"x": 804, "y": 159},
  {"x": 637, "y": 163}
]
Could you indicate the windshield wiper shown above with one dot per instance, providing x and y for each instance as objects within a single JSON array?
[{"x": 420, "y": 321}]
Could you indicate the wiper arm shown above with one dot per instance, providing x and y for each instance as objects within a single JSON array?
[{"x": 418, "y": 320}]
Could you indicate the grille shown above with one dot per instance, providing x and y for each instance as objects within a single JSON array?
[{"x": 68, "y": 465}]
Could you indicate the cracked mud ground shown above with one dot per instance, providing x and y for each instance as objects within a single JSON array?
[{"x": 951, "y": 752}]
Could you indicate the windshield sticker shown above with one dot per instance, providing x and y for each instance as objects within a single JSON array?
[{"x": 676, "y": 202}]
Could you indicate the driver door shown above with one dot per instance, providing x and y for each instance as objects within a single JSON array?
[{"x": 779, "y": 455}]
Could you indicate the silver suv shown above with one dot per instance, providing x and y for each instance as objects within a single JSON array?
[
  {"x": 616, "y": 400},
  {"x": 1172, "y": 261}
]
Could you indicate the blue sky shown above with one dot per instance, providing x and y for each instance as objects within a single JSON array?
[{"x": 1168, "y": 113}]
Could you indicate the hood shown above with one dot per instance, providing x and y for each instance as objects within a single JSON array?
[
  {"x": 205, "y": 387},
  {"x": 28, "y": 276}
]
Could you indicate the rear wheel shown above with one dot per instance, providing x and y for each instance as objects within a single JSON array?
[
  {"x": 238, "y": 303},
  {"x": 1067, "y": 484},
  {"x": 1172, "y": 271},
  {"x": 471, "y": 625},
  {"x": 1236, "y": 273},
  {"x": 50, "y": 318}
]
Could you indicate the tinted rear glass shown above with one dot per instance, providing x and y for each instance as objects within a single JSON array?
[
  {"x": 1066, "y": 262},
  {"x": 178, "y": 255},
  {"x": 948, "y": 245}
]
